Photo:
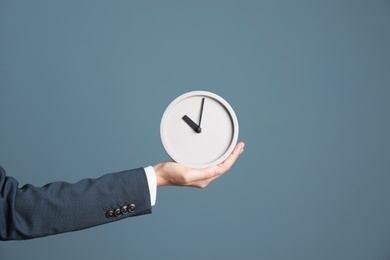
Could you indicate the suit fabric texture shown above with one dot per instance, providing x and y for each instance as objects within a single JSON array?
[{"x": 58, "y": 207}]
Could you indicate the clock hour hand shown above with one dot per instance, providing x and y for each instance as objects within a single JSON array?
[{"x": 192, "y": 124}]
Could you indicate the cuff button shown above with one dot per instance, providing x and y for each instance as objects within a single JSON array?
[
  {"x": 110, "y": 214},
  {"x": 131, "y": 208},
  {"x": 124, "y": 210},
  {"x": 117, "y": 212}
]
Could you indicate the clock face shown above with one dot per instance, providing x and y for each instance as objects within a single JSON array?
[{"x": 199, "y": 129}]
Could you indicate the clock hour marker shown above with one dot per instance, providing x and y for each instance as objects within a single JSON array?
[{"x": 192, "y": 124}]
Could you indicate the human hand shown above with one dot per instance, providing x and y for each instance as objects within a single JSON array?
[{"x": 174, "y": 174}]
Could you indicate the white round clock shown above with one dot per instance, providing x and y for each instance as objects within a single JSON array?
[{"x": 199, "y": 129}]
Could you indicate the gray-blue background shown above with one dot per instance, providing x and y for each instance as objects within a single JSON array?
[{"x": 83, "y": 85}]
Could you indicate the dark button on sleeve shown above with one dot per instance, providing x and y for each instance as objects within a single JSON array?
[
  {"x": 110, "y": 214},
  {"x": 131, "y": 208},
  {"x": 117, "y": 212},
  {"x": 124, "y": 210}
]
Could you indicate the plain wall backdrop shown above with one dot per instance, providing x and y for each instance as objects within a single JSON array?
[{"x": 83, "y": 86}]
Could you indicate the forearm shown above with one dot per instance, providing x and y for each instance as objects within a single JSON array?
[{"x": 59, "y": 207}]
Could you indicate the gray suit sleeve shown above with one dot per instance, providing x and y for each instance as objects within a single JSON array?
[{"x": 30, "y": 212}]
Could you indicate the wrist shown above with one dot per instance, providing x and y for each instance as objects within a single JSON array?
[{"x": 161, "y": 181}]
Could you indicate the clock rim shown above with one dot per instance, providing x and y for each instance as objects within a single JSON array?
[{"x": 229, "y": 109}]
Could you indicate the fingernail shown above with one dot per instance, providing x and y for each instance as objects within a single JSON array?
[
  {"x": 218, "y": 171},
  {"x": 242, "y": 150}
]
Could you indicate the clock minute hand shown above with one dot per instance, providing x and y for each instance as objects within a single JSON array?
[
  {"x": 201, "y": 112},
  {"x": 192, "y": 124}
]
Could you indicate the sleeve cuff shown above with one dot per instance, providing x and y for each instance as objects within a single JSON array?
[{"x": 152, "y": 183}]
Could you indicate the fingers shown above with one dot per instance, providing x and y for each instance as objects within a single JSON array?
[
  {"x": 225, "y": 166},
  {"x": 206, "y": 176}
]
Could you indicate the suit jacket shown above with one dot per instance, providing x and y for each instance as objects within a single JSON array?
[{"x": 30, "y": 212}]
